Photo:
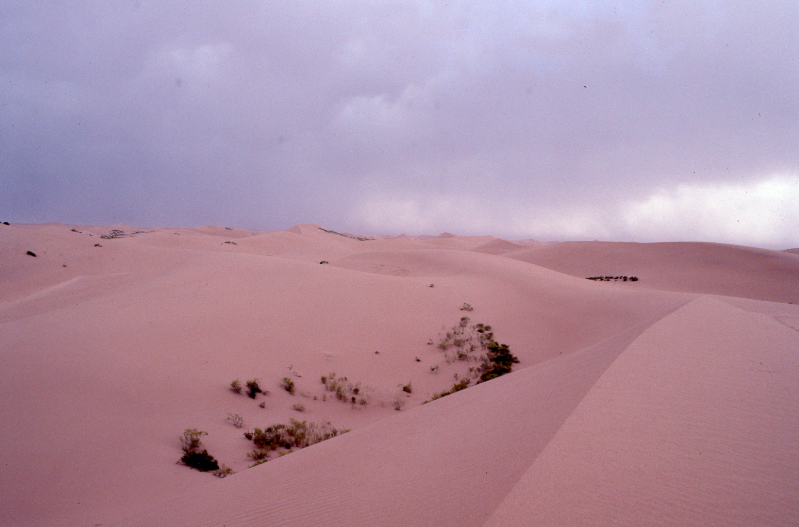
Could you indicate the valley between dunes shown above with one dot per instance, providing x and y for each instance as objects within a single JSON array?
[{"x": 671, "y": 400}]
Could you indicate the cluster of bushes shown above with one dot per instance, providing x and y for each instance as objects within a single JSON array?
[
  {"x": 344, "y": 391},
  {"x": 290, "y": 437},
  {"x": 613, "y": 278},
  {"x": 498, "y": 361},
  {"x": 466, "y": 339}
]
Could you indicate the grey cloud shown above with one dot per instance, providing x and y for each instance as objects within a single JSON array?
[{"x": 265, "y": 114}]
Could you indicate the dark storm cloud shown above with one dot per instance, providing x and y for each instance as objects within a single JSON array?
[{"x": 551, "y": 120}]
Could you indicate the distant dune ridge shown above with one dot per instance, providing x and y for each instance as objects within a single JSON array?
[{"x": 672, "y": 400}]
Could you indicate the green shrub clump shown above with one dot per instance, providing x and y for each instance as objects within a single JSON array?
[{"x": 288, "y": 385}]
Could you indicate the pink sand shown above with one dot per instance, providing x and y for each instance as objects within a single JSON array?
[{"x": 673, "y": 400}]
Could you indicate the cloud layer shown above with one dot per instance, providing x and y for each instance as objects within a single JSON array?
[{"x": 640, "y": 121}]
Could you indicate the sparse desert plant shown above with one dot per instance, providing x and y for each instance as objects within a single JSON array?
[
  {"x": 407, "y": 388},
  {"x": 288, "y": 385},
  {"x": 191, "y": 439},
  {"x": 223, "y": 471},
  {"x": 253, "y": 388},
  {"x": 467, "y": 307},
  {"x": 399, "y": 402},
  {"x": 263, "y": 404},
  {"x": 299, "y": 407},
  {"x": 258, "y": 454},
  {"x": 236, "y": 419},
  {"x": 235, "y": 386}
]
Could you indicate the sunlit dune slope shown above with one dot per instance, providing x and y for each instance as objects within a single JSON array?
[{"x": 116, "y": 339}]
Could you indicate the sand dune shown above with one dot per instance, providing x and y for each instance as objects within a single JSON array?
[{"x": 669, "y": 400}]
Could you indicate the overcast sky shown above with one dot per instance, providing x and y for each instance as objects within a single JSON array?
[{"x": 550, "y": 119}]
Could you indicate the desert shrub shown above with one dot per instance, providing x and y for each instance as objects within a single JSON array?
[
  {"x": 223, "y": 471},
  {"x": 235, "y": 386},
  {"x": 200, "y": 460},
  {"x": 299, "y": 407},
  {"x": 467, "y": 307},
  {"x": 253, "y": 388},
  {"x": 399, "y": 402},
  {"x": 263, "y": 404},
  {"x": 288, "y": 385},
  {"x": 191, "y": 439},
  {"x": 407, "y": 388},
  {"x": 236, "y": 419},
  {"x": 258, "y": 454}
]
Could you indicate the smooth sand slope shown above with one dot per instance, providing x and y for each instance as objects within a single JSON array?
[{"x": 657, "y": 401}]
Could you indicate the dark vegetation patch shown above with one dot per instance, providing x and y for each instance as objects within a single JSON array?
[{"x": 613, "y": 278}]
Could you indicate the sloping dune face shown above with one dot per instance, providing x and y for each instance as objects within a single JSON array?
[
  {"x": 633, "y": 402},
  {"x": 698, "y": 267}
]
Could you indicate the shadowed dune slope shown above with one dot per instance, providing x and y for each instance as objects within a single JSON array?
[{"x": 713, "y": 268}]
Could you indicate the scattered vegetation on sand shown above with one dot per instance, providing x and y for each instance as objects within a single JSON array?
[
  {"x": 359, "y": 238},
  {"x": 467, "y": 307},
  {"x": 192, "y": 455},
  {"x": 299, "y": 407},
  {"x": 235, "y": 386},
  {"x": 613, "y": 278},
  {"x": 458, "y": 386},
  {"x": 290, "y": 437},
  {"x": 407, "y": 388},
  {"x": 344, "y": 390}
]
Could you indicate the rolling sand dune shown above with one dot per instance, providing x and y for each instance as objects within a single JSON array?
[{"x": 671, "y": 400}]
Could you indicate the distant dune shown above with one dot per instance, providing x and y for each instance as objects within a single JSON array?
[{"x": 670, "y": 400}]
